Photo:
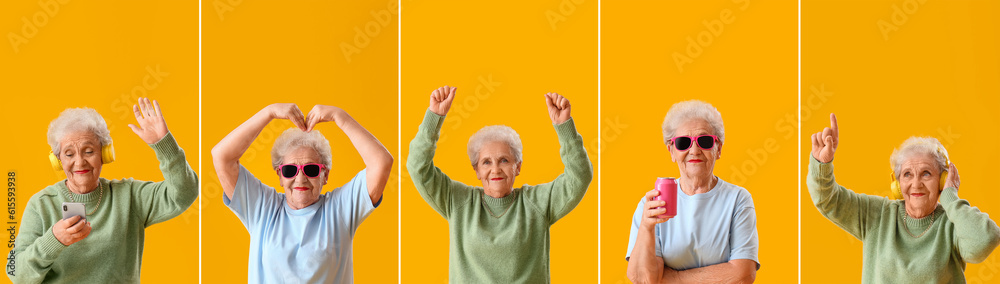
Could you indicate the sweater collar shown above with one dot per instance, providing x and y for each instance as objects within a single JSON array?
[{"x": 90, "y": 197}]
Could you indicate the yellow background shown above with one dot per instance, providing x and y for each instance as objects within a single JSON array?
[
  {"x": 934, "y": 76},
  {"x": 96, "y": 54},
  {"x": 463, "y": 43},
  {"x": 747, "y": 71},
  {"x": 258, "y": 53}
]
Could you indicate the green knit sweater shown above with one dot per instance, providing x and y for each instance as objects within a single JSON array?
[
  {"x": 958, "y": 233},
  {"x": 112, "y": 253},
  {"x": 513, "y": 248}
]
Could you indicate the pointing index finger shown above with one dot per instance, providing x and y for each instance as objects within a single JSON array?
[{"x": 833, "y": 123}]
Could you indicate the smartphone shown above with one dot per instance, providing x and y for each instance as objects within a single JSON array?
[{"x": 70, "y": 209}]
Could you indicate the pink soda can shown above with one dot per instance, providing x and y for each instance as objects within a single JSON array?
[{"x": 668, "y": 193}]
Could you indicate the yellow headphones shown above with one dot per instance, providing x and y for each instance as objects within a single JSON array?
[
  {"x": 897, "y": 192},
  {"x": 107, "y": 156}
]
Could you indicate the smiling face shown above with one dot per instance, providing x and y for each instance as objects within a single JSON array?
[
  {"x": 301, "y": 190},
  {"x": 920, "y": 182},
  {"x": 80, "y": 155},
  {"x": 496, "y": 168},
  {"x": 695, "y": 162}
]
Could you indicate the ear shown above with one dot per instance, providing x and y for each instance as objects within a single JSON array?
[
  {"x": 326, "y": 176},
  {"x": 476, "y": 170},
  {"x": 719, "y": 154},
  {"x": 517, "y": 169}
]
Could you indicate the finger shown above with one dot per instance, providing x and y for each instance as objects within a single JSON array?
[
  {"x": 818, "y": 141},
  {"x": 548, "y": 100},
  {"x": 655, "y": 212},
  {"x": 652, "y": 193},
  {"x": 833, "y": 123},
  {"x": 829, "y": 141},
  {"x": 827, "y": 133},
  {"x": 144, "y": 106},
  {"x": 652, "y": 204},
  {"x": 76, "y": 228},
  {"x": 137, "y": 112},
  {"x": 563, "y": 102},
  {"x": 135, "y": 129},
  {"x": 451, "y": 94},
  {"x": 298, "y": 120},
  {"x": 156, "y": 109}
]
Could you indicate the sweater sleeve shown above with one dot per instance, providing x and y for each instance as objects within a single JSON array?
[
  {"x": 559, "y": 197},
  {"x": 854, "y": 212},
  {"x": 976, "y": 236},
  {"x": 35, "y": 249},
  {"x": 440, "y": 192},
  {"x": 156, "y": 202}
]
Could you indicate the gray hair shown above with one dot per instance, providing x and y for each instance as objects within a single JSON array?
[
  {"x": 75, "y": 120},
  {"x": 914, "y": 146},
  {"x": 293, "y": 138},
  {"x": 492, "y": 133},
  {"x": 686, "y": 111}
]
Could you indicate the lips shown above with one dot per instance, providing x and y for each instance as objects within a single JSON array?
[
  {"x": 300, "y": 188},
  {"x": 496, "y": 179},
  {"x": 81, "y": 172},
  {"x": 917, "y": 194},
  {"x": 695, "y": 161}
]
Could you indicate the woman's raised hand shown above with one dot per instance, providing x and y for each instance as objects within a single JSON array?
[
  {"x": 824, "y": 143},
  {"x": 441, "y": 99},
  {"x": 321, "y": 113},
  {"x": 558, "y": 107},
  {"x": 151, "y": 126},
  {"x": 288, "y": 111}
]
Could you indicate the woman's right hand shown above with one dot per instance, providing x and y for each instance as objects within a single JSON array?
[
  {"x": 651, "y": 209},
  {"x": 288, "y": 111},
  {"x": 824, "y": 143},
  {"x": 441, "y": 100},
  {"x": 71, "y": 230}
]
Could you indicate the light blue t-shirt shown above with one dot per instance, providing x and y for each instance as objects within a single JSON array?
[
  {"x": 710, "y": 228},
  {"x": 309, "y": 245}
]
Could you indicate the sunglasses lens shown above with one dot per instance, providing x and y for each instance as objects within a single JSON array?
[
  {"x": 682, "y": 143},
  {"x": 706, "y": 142},
  {"x": 288, "y": 171},
  {"x": 311, "y": 170}
]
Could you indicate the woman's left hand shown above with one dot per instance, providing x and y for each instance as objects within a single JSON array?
[
  {"x": 321, "y": 113},
  {"x": 558, "y": 107},
  {"x": 151, "y": 127},
  {"x": 953, "y": 178}
]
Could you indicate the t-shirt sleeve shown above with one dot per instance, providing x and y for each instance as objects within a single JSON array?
[
  {"x": 250, "y": 198},
  {"x": 352, "y": 201},
  {"x": 634, "y": 233},
  {"x": 743, "y": 232}
]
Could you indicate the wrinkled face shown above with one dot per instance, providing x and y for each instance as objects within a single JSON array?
[
  {"x": 80, "y": 154},
  {"x": 920, "y": 182},
  {"x": 496, "y": 168},
  {"x": 301, "y": 190},
  {"x": 695, "y": 162}
]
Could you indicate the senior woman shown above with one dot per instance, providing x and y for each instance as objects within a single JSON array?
[
  {"x": 713, "y": 237},
  {"x": 106, "y": 246},
  {"x": 913, "y": 240},
  {"x": 499, "y": 233},
  {"x": 301, "y": 236}
]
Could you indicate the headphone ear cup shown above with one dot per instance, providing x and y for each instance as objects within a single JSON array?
[
  {"x": 107, "y": 154},
  {"x": 897, "y": 193},
  {"x": 54, "y": 161}
]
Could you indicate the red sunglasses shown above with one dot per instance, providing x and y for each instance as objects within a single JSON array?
[
  {"x": 683, "y": 143},
  {"x": 291, "y": 170}
]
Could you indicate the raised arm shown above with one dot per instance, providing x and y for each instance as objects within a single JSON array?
[
  {"x": 976, "y": 235},
  {"x": 378, "y": 161},
  {"x": 226, "y": 155},
  {"x": 851, "y": 211},
  {"x": 433, "y": 185},
  {"x": 160, "y": 201},
  {"x": 563, "y": 194}
]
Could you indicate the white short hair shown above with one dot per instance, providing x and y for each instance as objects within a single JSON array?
[
  {"x": 293, "y": 138},
  {"x": 75, "y": 120},
  {"x": 686, "y": 111},
  {"x": 492, "y": 133},
  {"x": 914, "y": 146}
]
